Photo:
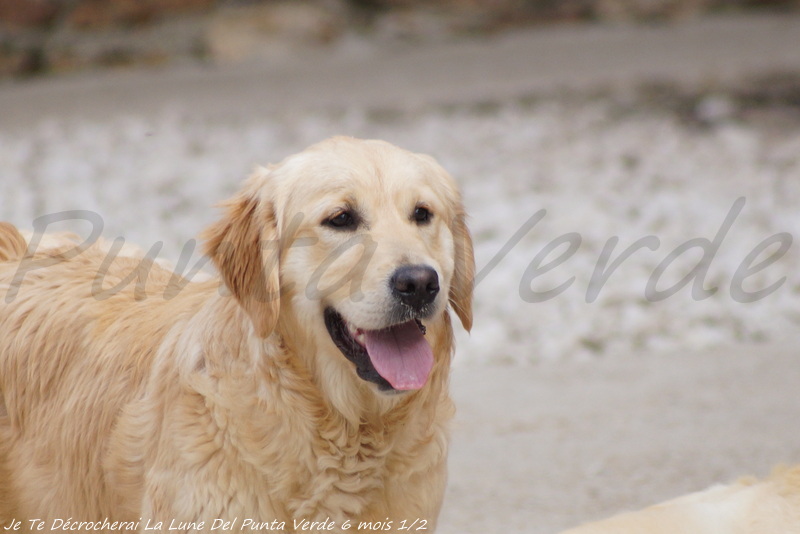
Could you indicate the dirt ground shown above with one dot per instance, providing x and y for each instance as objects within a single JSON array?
[{"x": 539, "y": 449}]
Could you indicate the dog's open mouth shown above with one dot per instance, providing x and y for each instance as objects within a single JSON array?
[{"x": 395, "y": 358}]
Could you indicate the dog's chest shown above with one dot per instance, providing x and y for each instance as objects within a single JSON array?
[{"x": 346, "y": 474}]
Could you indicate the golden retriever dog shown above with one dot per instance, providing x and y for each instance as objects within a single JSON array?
[
  {"x": 771, "y": 506},
  {"x": 307, "y": 391}
]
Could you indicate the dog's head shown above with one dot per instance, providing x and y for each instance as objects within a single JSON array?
[{"x": 361, "y": 246}]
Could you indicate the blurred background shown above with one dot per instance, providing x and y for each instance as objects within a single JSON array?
[
  {"x": 57, "y": 36},
  {"x": 632, "y": 123},
  {"x": 622, "y": 118}
]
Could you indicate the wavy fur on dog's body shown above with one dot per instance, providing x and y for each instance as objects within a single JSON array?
[{"x": 138, "y": 407}]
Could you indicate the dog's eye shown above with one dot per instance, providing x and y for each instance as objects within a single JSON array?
[
  {"x": 422, "y": 215},
  {"x": 342, "y": 221}
]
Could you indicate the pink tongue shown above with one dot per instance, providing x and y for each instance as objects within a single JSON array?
[{"x": 401, "y": 355}]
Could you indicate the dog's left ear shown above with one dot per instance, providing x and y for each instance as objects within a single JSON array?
[
  {"x": 464, "y": 272},
  {"x": 244, "y": 247}
]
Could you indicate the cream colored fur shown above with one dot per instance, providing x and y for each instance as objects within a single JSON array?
[
  {"x": 167, "y": 400},
  {"x": 771, "y": 506}
]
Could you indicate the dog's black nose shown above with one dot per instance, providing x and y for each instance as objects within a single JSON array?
[{"x": 415, "y": 285}]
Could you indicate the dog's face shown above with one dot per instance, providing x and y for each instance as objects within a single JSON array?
[{"x": 367, "y": 244}]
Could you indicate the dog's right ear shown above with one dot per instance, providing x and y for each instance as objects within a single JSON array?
[{"x": 244, "y": 247}]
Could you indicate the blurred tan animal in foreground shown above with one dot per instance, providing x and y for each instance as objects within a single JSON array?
[{"x": 770, "y": 506}]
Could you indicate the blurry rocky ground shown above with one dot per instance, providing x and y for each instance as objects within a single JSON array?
[{"x": 61, "y": 36}]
